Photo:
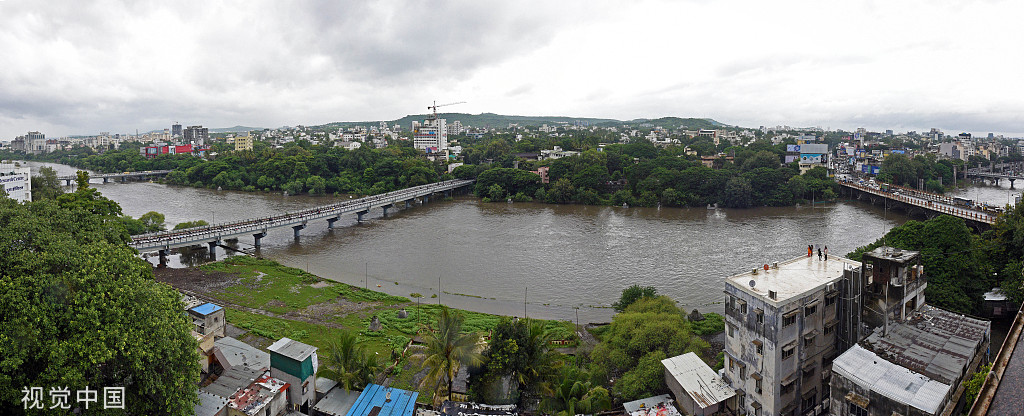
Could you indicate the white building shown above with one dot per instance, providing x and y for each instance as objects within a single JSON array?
[
  {"x": 17, "y": 182},
  {"x": 431, "y": 136},
  {"x": 698, "y": 390}
]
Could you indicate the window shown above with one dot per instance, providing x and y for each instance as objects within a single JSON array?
[
  {"x": 830, "y": 329},
  {"x": 808, "y": 341},
  {"x": 830, "y": 299},
  {"x": 760, "y": 348},
  {"x": 809, "y": 401},
  {"x": 743, "y": 307},
  {"x": 787, "y": 352},
  {"x": 788, "y": 388},
  {"x": 760, "y": 316},
  {"x": 743, "y": 372},
  {"x": 808, "y": 372},
  {"x": 857, "y": 410},
  {"x": 305, "y": 387},
  {"x": 757, "y": 385},
  {"x": 810, "y": 310},
  {"x": 789, "y": 319},
  {"x": 728, "y": 362},
  {"x": 732, "y": 331}
]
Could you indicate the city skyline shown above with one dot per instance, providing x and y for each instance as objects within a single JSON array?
[{"x": 81, "y": 69}]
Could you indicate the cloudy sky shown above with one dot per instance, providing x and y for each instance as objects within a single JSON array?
[{"x": 81, "y": 67}]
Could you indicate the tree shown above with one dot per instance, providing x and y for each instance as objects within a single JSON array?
[
  {"x": 348, "y": 362},
  {"x": 632, "y": 294},
  {"x": 447, "y": 349},
  {"x": 738, "y": 193},
  {"x": 154, "y": 221},
  {"x": 46, "y": 185},
  {"x": 68, "y": 284},
  {"x": 191, "y": 224}
]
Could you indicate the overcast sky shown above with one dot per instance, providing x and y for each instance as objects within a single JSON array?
[{"x": 81, "y": 67}]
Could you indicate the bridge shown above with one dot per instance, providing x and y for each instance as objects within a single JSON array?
[
  {"x": 124, "y": 176},
  {"x": 915, "y": 201},
  {"x": 214, "y": 235}
]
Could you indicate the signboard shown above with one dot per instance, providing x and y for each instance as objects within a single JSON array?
[
  {"x": 795, "y": 148},
  {"x": 791, "y": 158},
  {"x": 875, "y": 170},
  {"x": 810, "y": 158},
  {"x": 899, "y": 151}
]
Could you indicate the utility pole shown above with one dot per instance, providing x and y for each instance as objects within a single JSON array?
[
  {"x": 366, "y": 275},
  {"x": 526, "y": 290},
  {"x": 439, "y": 288}
]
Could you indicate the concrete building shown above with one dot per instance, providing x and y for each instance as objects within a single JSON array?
[
  {"x": 231, "y": 353},
  {"x": 431, "y": 136},
  {"x": 208, "y": 319},
  {"x": 16, "y": 182},
  {"x": 295, "y": 363},
  {"x": 247, "y": 392},
  {"x": 698, "y": 390},
  {"x": 782, "y": 322},
  {"x": 384, "y": 401},
  {"x": 911, "y": 358},
  {"x": 651, "y": 406},
  {"x": 197, "y": 135},
  {"x": 243, "y": 142},
  {"x": 176, "y": 131}
]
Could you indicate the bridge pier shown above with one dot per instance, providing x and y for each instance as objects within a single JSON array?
[
  {"x": 68, "y": 182},
  {"x": 105, "y": 180},
  {"x": 360, "y": 214},
  {"x": 298, "y": 228},
  {"x": 331, "y": 221},
  {"x": 163, "y": 259},
  {"x": 258, "y": 237},
  {"x": 1011, "y": 182},
  {"x": 213, "y": 249},
  {"x": 386, "y": 208},
  {"x": 426, "y": 198},
  {"x": 409, "y": 202}
]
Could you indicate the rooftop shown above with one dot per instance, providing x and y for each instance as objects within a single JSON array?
[
  {"x": 337, "y": 402},
  {"x": 292, "y": 349},
  {"x": 936, "y": 343},
  {"x": 698, "y": 380},
  {"x": 232, "y": 381},
  {"x": 652, "y": 406},
  {"x": 206, "y": 309},
  {"x": 892, "y": 253},
  {"x": 258, "y": 395},
  {"x": 209, "y": 404},
  {"x": 792, "y": 278},
  {"x": 449, "y": 408},
  {"x": 232, "y": 353},
  {"x": 870, "y": 371},
  {"x": 384, "y": 401}
]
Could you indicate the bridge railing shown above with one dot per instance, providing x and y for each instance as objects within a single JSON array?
[
  {"x": 260, "y": 224},
  {"x": 971, "y": 214}
]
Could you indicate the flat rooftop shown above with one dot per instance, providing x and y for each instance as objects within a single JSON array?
[
  {"x": 936, "y": 343},
  {"x": 893, "y": 254},
  {"x": 698, "y": 380},
  {"x": 869, "y": 371},
  {"x": 792, "y": 278}
]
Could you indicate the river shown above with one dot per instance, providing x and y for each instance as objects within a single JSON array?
[{"x": 490, "y": 256}]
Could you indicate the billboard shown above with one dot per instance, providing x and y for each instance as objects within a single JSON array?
[
  {"x": 795, "y": 148},
  {"x": 875, "y": 170},
  {"x": 791, "y": 158},
  {"x": 810, "y": 158}
]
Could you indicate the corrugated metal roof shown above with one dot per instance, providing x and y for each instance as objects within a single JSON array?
[
  {"x": 391, "y": 401},
  {"x": 234, "y": 353},
  {"x": 337, "y": 403},
  {"x": 652, "y": 406},
  {"x": 869, "y": 371},
  {"x": 698, "y": 380},
  {"x": 206, "y": 309},
  {"x": 292, "y": 349},
  {"x": 936, "y": 343},
  {"x": 209, "y": 404}
]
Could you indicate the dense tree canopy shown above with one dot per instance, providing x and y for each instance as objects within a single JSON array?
[{"x": 79, "y": 308}]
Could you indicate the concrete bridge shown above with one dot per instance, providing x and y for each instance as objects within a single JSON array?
[
  {"x": 995, "y": 176},
  {"x": 917, "y": 202},
  {"x": 214, "y": 235},
  {"x": 124, "y": 176}
]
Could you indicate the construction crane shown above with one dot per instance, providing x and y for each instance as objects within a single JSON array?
[{"x": 434, "y": 107}]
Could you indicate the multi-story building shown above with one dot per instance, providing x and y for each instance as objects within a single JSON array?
[
  {"x": 911, "y": 357},
  {"x": 197, "y": 135},
  {"x": 431, "y": 136},
  {"x": 243, "y": 142},
  {"x": 176, "y": 130},
  {"x": 783, "y": 328},
  {"x": 455, "y": 128},
  {"x": 16, "y": 182}
]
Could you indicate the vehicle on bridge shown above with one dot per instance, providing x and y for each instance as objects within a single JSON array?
[{"x": 963, "y": 202}]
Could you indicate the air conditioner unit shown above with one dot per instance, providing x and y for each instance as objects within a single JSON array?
[
  {"x": 772, "y": 294},
  {"x": 830, "y": 287}
]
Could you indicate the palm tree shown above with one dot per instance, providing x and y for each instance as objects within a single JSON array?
[
  {"x": 349, "y": 363},
  {"x": 447, "y": 349},
  {"x": 542, "y": 363}
]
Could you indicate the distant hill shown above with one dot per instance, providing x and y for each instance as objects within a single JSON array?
[{"x": 498, "y": 120}]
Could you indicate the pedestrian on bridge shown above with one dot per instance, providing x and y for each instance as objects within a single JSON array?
[
  {"x": 819, "y": 253},
  {"x": 810, "y": 250},
  {"x": 826, "y": 253}
]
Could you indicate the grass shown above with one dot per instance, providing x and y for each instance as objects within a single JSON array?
[
  {"x": 270, "y": 286},
  {"x": 713, "y": 323}
]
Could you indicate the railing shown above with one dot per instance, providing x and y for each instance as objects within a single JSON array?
[
  {"x": 217, "y": 232},
  {"x": 924, "y": 202}
]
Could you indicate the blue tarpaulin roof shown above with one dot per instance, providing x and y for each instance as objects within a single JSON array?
[
  {"x": 391, "y": 401},
  {"x": 206, "y": 309}
]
